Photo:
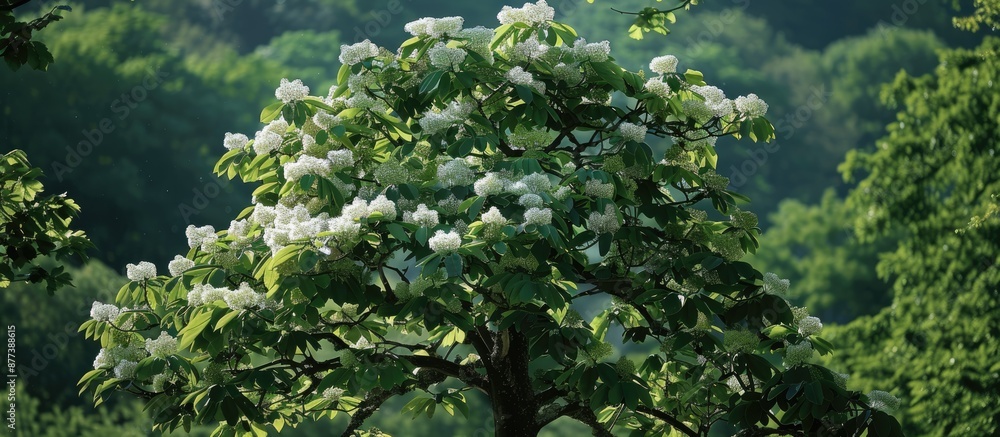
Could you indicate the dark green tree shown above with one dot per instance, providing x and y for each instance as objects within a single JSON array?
[{"x": 931, "y": 182}]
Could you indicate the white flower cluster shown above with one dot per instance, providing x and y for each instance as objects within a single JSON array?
[
  {"x": 478, "y": 40},
  {"x": 239, "y": 231},
  {"x": 596, "y": 188},
  {"x": 530, "y": 200},
  {"x": 235, "y": 141},
  {"x": 203, "y": 294},
  {"x": 422, "y": 216},
  {"x": 528, "y": 50},
  {"x": 179, "y": 265},
  {"x": 490, "y": 184},
  {"x": 883, "y": 401},
  {"x": 243, "y": 298},
  {"x": 125, "y": 369},
  {"x": 593, "y": 52},
  {"x": 660, "y": 88},
  {"x": 435, "y": 121},
  {"x": 532, "y": 183},
  {"x": 606, "y": 223},
  {"x": 798, "y": 353},
  {"x": 445, "y": 242},
  {"x": 325, "y": 120},
  {"x": 291, "y": 91},
  {"x": 140, "y": 272},
  {"x": 306, "y": 165},
  {"x": 333, "y": 394},
  {"x": 531, "y": 14},
  {"x": 446, "y": 58},
  {"x": 809, "y": 326},
  {"x": 493, "y": 217},
  {"x": 632, "y": 131},
  {"x": 751, "y": 106},
  {"x": 715, "y": 104},
  {"x": 518, "y": 76},
  {"x": 291, "y": 224},
  {"x": 455, "y": 173},
  {"x": 355, "y": 53},
  {"x": 203, "y": 237},
  {"x": 775, "y": 285},
  {"x": 538, "y": 216},
  {"x": 269, "y": 139},
  {"x": 109, "y": 358},
  {"x": 162, "y": 346},
  {"x": 104, "y": 312},
  {"x": 569, "y": 73},
  {"x": 340, "y": 159},
  {"x": 663, "y": 64},
  {"x": 435, "y": 27}
]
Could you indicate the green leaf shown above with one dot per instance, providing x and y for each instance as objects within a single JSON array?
[
  {"x": 271, "y": 112},
  {"x": 194, "y": 329}
]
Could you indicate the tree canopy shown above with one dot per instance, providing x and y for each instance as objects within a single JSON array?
[{"x": 441, "y": 215}]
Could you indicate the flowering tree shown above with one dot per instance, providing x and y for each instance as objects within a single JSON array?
[{"x": 442, "y": 216}]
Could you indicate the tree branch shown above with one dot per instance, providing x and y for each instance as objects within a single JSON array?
[{"x": 670, "y": 420}]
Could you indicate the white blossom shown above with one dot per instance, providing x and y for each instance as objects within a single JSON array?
[
  {"x": 383, "y": 205},
  {"x": 751, "y": 106},
  {"x": 715, "y": 103},
  {"x": 632, "y": 131},
  {"x": 326, "y": 120},
  {"x": 125, "y": 369},
  {"x": 104, "y": 312},
  {"x": 663, "y": 64},
  {"x": 179, "y": 265},
  {"x": 422, "y": 216},
  {"x": 490, "y": 184},
  {"x": 604, "y": 223},
  {"x": 530, "y": 200},
  {"x": 266, "y": 141},
  {"x": 593, "y": 52},
  {"x": 306, "y": 165},
  {"x": 235, "y": 141},
  {"x": 809, "y": 326},
  {"x": 291, "y": 91},
  {"x": 493, "y": 217},
  {"x": 162, "y": 346},
  {"x": 355, "y": 53},
  {"x": 455, "y": 172},
  {"x": 798, "y": 353},
  {"x": 446, "y": 58},
  {"x": 538, "y": 216},
  {"x": 775, "y": 285},
  {"x": 596, "y": 188},
  {"x": 203, "y": 237},
  {"x": 536, "y": 183},
  {"x": 333, "y": 394},
  {"x": 340, "y": 159},
  {"x": 528, "y": 50},
  {"x": 243, "y": 298},
  {"x": 435, "y": 27},
  {"x": 140, "y": 272},
  {"x": 344, "y": 228},
  {"x": 445, "y": 242},
  {"x": 531, "y": 14},
  {"x": 659, "y": 88}
]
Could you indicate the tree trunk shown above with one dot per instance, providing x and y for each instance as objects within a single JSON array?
[{"x": 514, "y": 406}]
